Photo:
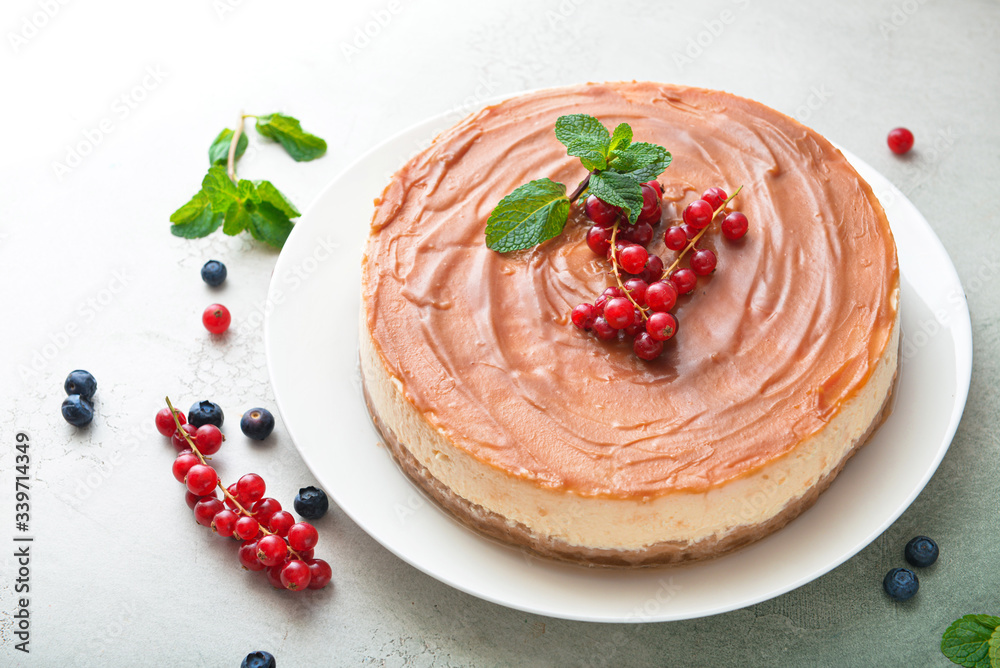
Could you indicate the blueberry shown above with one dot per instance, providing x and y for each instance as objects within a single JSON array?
[
  {"x": 81, "y": 382},
  {"x": 213, "y": 273},
  {"x": 258, "y": 660},
  {"x": 901, "y": 584},
  {"x": 921, "y": 552},
  {"x": 257, "y": 423},
  {"x": 205, "y": 412},
  {"x": 311, "y": 503},
  {"x": 77, "y": 410}
]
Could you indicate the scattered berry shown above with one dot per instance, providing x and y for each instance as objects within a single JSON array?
[
  {"x": 281, "y": 522},
  {"x": 205, "y": 412},
  {"x": 661, "y": 326},
  {"x": 77, "y": 411},
  {"x": 165, "y": 422},
  {"x": 900, "y": 140},
  {"x": 734, "y": 226},
  {"x": 715, "y": 197},
  {"x": 178, "y": 441},
  {"x": 201, "y": 479},
  {"x": 661, "y": 296},
  {"x": 703, "y": 262},
  {"x": 646, "y": 347},
  {"x": 698, "y": 214},
  {"x": 684, "y": 280},
  {"x": 921, "y": 552},
  {"x": 216, "y": 318},
  {"x": 675, "y": 238},
  {"x": 257, "y": 423},
  {"x": 295, "y": 575},
  {"x": 206, "y": 509},
  {"x": 81, "y": 382},
  {"x": 583, "y": 316},
  {"x": 320, "y": 573},
  {"x": 258, "y": 660},
  {"x": 250, "y": 489},
  {"x": 302, "y": 536},
  {"x": 213, "y": 272},
  {"x": 900, "y": 584},
  {"x": 601, "y": 213},
  {"x": 272, "y": 550},
  {"x": 208, "y": 438}
]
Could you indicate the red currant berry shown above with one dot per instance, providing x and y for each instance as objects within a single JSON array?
[
  {"x": 295, "y": 575},
  {"x": 264, "y": 509},
  {"x": 206, "y": 510},
  {"x": 247, "y": 528},
  {"x": 183, "y": 464},
  {"x": 675, "y": 238},
  {"x": 178, "y": 441},
  {"x": 320, "y": 573},
  {"x": 272, "y": 550},
  {"x": 703, "y": 262},
  {"x": 165, "y": 422},
  {"x": 684, "y": 280},
  {"x": 608, "y": 294},
  {"x": 192, "y": 499},
  {"x": 655, "y": 185},
  {"x": 653, "y": 270},
  {"x": 302, "y": 536},
  {"x": 306, "y": 555},
  {"x": 698, "y": 214},
  {"x": 641, "y": 233},
  {"x": 216, "y": 318},
  {"x": 650, "y": 205},
  {"x": 689, "y": 231},
  {"x": 274, "y": 575},
  {"x": 224, "y": 523},
  {"x": 636, "y": 289},
  {"x": 248, "y": 556},
  {"x": 281, "y": 522},
  {"x": 250, "y": 488},
  {"x": 600, "y": 212},
  {"x": 715, "y": 197},
  {"x": 603, "y": 330},
  {"x": 228, "y": 498},
  {"x": 633, "y": 258},
  {"x": 583, "y": 316},
  {"x": 646, "y": 347},
  {"x": 661, "y": 296},
  {"x": 201, "y": 479},
  {"x": 599, "y": 240},
  {"x": 209, "y": 439},
  {"x": 661, "y": 326},
  {"x": 619, "y": 313},
  {"x": 900, "y": 140},
  {"x": 735, "y": 225},
  {"x": 637, "y": 324}
]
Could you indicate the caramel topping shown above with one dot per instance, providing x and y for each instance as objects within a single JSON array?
[{"x": 788, "y": 328}]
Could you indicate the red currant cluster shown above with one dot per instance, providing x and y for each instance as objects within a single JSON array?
[
  {"x": 639, "y": 306},
  {"x": 270, "y": 537}
]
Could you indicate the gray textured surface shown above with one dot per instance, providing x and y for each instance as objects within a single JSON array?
[{"x": 121, "y": 576}]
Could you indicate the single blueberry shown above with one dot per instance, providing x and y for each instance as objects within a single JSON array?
[
  {"x": 213, "y": 273},
  {"x": 921, "y": 551},
  {"x": 900, "y": 584},
  {"x": 311, "y": 503},
  {"x": 81, "y": 382},
  {"x": 258, "y": 660},
  {"x": 77, "y": 410},
  {"x": 257, "y": 423},
  {"x": 205, "y": 412}
]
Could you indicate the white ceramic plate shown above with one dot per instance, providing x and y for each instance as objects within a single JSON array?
[{"x": 311, "y": 339}]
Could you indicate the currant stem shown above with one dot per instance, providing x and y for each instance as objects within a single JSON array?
[
  {"x": 194, "y": 448},
  {"x": 580, "y": 188},
  {"x": 618, "y": 277},
  {"x": 698, "y": 236},
  {"x": 231, "y": 159}
]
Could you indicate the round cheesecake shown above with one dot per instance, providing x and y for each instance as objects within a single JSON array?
[{"x": 533, "y": 432}]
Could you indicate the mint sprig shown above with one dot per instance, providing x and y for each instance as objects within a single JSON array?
[
  {"x": 238, "y": 204},
  {"x": 973, "y": 641},
  {"x": 537, "y": 211}
]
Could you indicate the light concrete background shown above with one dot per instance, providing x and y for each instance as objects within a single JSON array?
[{"x": 92, "y": 278}]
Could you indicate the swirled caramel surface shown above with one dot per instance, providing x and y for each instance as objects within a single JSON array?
[{"x": 788, "y": 328}]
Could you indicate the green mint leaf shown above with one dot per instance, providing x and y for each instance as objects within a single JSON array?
[
  {"x": 286, "y": 130},
  {"x": 621, "y": 137},
  {"x": 270, "y": 224},
  {"x": 967, "y": 641},
  {"x": 268, "y": 193},
  {"x": 533, "y": 213},
  {"x": 195, "y": 219},
  {"x": 218, "y": 152},
  {"x": 643, "y": 162},
  {"x": 220, "y": 190},
  {"x": 620, "y": 190},
  {"x": 586, "y": 138},
  {"x": 995, "y": 648},
  {"x": 242, "y": 206}
]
